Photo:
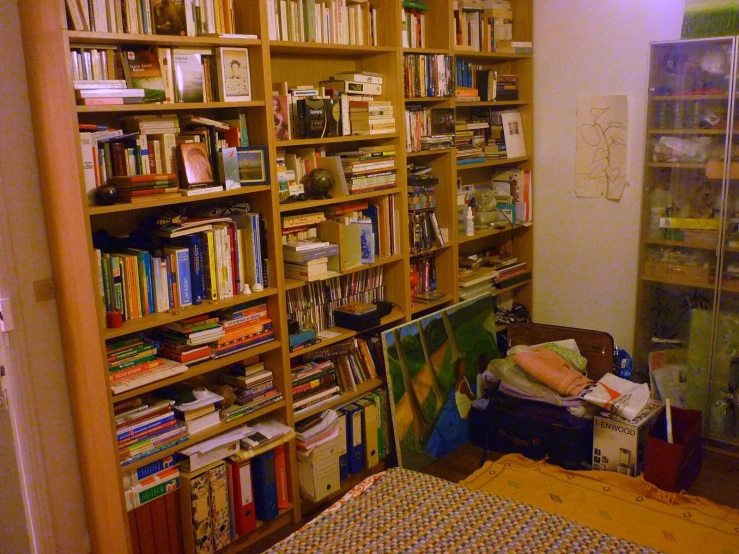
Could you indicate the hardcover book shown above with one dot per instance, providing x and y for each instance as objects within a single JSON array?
[
  {"x": 169, "y": 17},
  {"x": 315, "y": 114},
  {"x": 188, "y": 76},
  {"x": 142, "y": 70}
]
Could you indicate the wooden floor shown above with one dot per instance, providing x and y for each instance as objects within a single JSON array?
[{"x": 717, "y": 482}]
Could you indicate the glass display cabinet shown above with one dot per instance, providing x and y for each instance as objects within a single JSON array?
[{"x": 687, "y": 324}]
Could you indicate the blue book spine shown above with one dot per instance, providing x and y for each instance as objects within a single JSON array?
[
  {"x": 170, "y": 283},
  {"x": 149, "y": 282},
  {"x": 183, "y": 277},
  {"x": 138, "y": 430},
  {"x": 155, "y": 467},
  {"x": 265, "y": 486},
  {"x": 195, "y": 248}
]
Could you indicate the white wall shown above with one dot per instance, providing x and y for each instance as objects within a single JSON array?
[
  {"x": 50, "y": 457},
  {"x": 586, "y": 250}
]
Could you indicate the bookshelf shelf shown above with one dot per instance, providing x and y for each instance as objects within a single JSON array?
[
  {"x": 174, "y": 107},
  {"x": 208, "y": 433},
  {"x": 395, "y": 315},
  {"x": 496, "y": 292},
  {"x": 297, "y": 206},
  {"x": 683, "y": 244},
  {"x": 362, "y": 389},
  {"x": 430, "y": 251},
  {"x": 308, "y": 507},
  {"x": 334, "y": 140},
  {"x": 105, "y": 210},
  {"x": 417, "y": 99},
  {"x": 688, "y": 131},
  {"x": 200, "y": 369},
  {"x": 153, "y": 320},
  {"x": 291, "y": 284},
  {"x": 491, "y": 56},
  {"x": 493, "y": 163},
  {"x": 262, "y": 530},
  {"x": 426, "y": 306},
  {"x": 491, "y": 104},
  {"x": 306, "y": 49},
  {"x": 488, "y": 233},
  {"x": 425, "y": 51},
  {"x": 682, "y": 282},
  {"x": 433, "y": 152},
  {"x": 88, "y": 37},
  {"x": 677, "y": 165},
  {"x": 690, "y": 97}
]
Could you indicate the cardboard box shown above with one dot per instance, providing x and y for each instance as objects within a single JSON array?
[
  {"x": 620, "y": 444},
  {"x": 318, "y": 470}
]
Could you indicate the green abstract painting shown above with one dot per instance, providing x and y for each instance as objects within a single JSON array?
[{"x": 710, "y": 18}]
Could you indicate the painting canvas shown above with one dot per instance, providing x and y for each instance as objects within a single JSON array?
[
  {"x": 432, "y": 366},
  {"x": 710, "y": 18}
]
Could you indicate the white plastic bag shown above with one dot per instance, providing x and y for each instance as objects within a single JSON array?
[{"x": 622, "y": 397}]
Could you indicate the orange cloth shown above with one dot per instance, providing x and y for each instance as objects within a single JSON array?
[
  {"x": 622, "y": 506},
  {"x": 552, "y": 370}
]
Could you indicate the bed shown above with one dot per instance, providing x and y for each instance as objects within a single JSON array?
[{"x": 516, "y": 505}]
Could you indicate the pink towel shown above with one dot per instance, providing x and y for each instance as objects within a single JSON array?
[{"x": 552, "y": 370}]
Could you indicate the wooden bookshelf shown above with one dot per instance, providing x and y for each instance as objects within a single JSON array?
[
  {"x": 70, "y": 221},
  {"x": 345, "y": 397}
]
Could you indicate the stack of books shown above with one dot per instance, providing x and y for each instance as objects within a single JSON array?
[
  {"x": 197, "y": 413},
  {"x": 244, "y": 326},
  {"x": 308, "y": 260},
  {"x": 428, "y": 129},
  {"x": 133, "y": 363},
  {"x": 506, "y": 87},
  {"x": 372, "y": 117},
  {"x": 173, "y": 341},
  {"x": 308, "y": 270},
  {"x": 369, "y": 168},
  {"x": 254, "y": 387},
  {"x": 144, "y": 429},
  {"x": 317, "y": 430},
  {"x": 106, "y": 92},
  {"x": 467, "y": 94},
  {"x": 511, "y": 274},
  {"x": 313, "y": 384},
  {"x": 470, "y": 140},
  {"x": 149, "y": 482}
]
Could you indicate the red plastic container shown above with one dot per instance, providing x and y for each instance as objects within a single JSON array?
[{"x": 674, "y": 467}]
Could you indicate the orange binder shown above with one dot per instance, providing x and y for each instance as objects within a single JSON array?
[
  {"x": 283, "y": 497},
  {"x": 245, "y": 516}
]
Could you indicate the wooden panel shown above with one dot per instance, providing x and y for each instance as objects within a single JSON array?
[
  {"x": 174, "y": 523},
  {"x": 145, "y": 529},
  {"x": 60, "y": 167},
  {"x": 159, "y": 525},
  {"x": 133, "y": 531}
]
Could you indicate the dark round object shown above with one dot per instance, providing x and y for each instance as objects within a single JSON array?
[
  {"x": 318, "y": 182},
  {"x": 106, "y": 195}
]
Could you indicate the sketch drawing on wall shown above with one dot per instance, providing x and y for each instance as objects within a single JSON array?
[{"x": 600, "y": 167}]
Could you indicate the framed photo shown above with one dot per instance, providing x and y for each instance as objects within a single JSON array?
[
  {"x": 196, "y": 164},
  {"x": 253, "y": 165},
  {"x": 235, "y": 78}
]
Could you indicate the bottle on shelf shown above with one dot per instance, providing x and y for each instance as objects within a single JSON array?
[{"x": 469, "y": 223}]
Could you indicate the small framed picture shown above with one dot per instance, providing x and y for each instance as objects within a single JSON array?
[
  {"x": 253, "y": 165},
  {"x": 196, "y": 164},
  {"x": 235, "y": 78}
]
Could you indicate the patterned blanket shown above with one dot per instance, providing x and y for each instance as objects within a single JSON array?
[{"x": 406, "y": 511}]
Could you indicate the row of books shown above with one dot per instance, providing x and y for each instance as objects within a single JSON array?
[
  {"x": 483, "y": 25},
  {"x": 314, "y": 384},
  {"x": 341, "y": 443},
  {"x": 132, "y": 362},
  {"x": 211, "y": 258},
  {"x": 479, "y": 274},
  {"x": 175, "y": 17},
  {"x": 428, "y": 75},
  {"x": 107, "y": 75},
  {"x": 250, "y": 385},
  {"x": 330, "y": 21},
  {"x": 484, "y": 84},
  {"x": 428, "y": 128},
  {"x": 425, "y": 288},
  {"x": 471, "y": 138},
  {"x": 315, "y": 302},
  {"x": 424, "y": 231},
  {"x": 414, "y": 24}
]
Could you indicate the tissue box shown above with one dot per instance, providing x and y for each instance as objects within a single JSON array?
[{"x": 620, "y": 444}]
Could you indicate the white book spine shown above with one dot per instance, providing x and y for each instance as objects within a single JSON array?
[
  {"x": 301, "y": 21},
  {"x": 283, "y": 20},
  {"x": 271, "y": 23}
]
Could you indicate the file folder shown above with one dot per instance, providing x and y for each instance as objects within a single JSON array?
[
  {"x": 265, "y": 486},
  {"x": 355, "y": 444},
  {"x": 369, "y": 432},
  {"x": 245, "y": 518},
  {"x": 343, "y": 456},
  {"x": 219, "y": 512},
  {"x": 283, "y": 495}
]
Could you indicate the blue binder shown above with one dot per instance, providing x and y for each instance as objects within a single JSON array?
[
  {"x": 355, "y": 444},
  {"x": 265, "y": 486},
  {"x": 343, "y": 444}
]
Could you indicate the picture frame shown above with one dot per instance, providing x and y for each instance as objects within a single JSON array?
[
  {"x": 253, "y": 165},
  {"x": 234, "y": 80}
]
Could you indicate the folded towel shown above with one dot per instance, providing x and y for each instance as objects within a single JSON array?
[{"x": 552, "y": 370}]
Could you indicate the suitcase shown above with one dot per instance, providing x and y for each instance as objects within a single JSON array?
[{"x": 536, "y": 429}]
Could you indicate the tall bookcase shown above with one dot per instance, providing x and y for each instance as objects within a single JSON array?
[{"x": 70, "y": 221}]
